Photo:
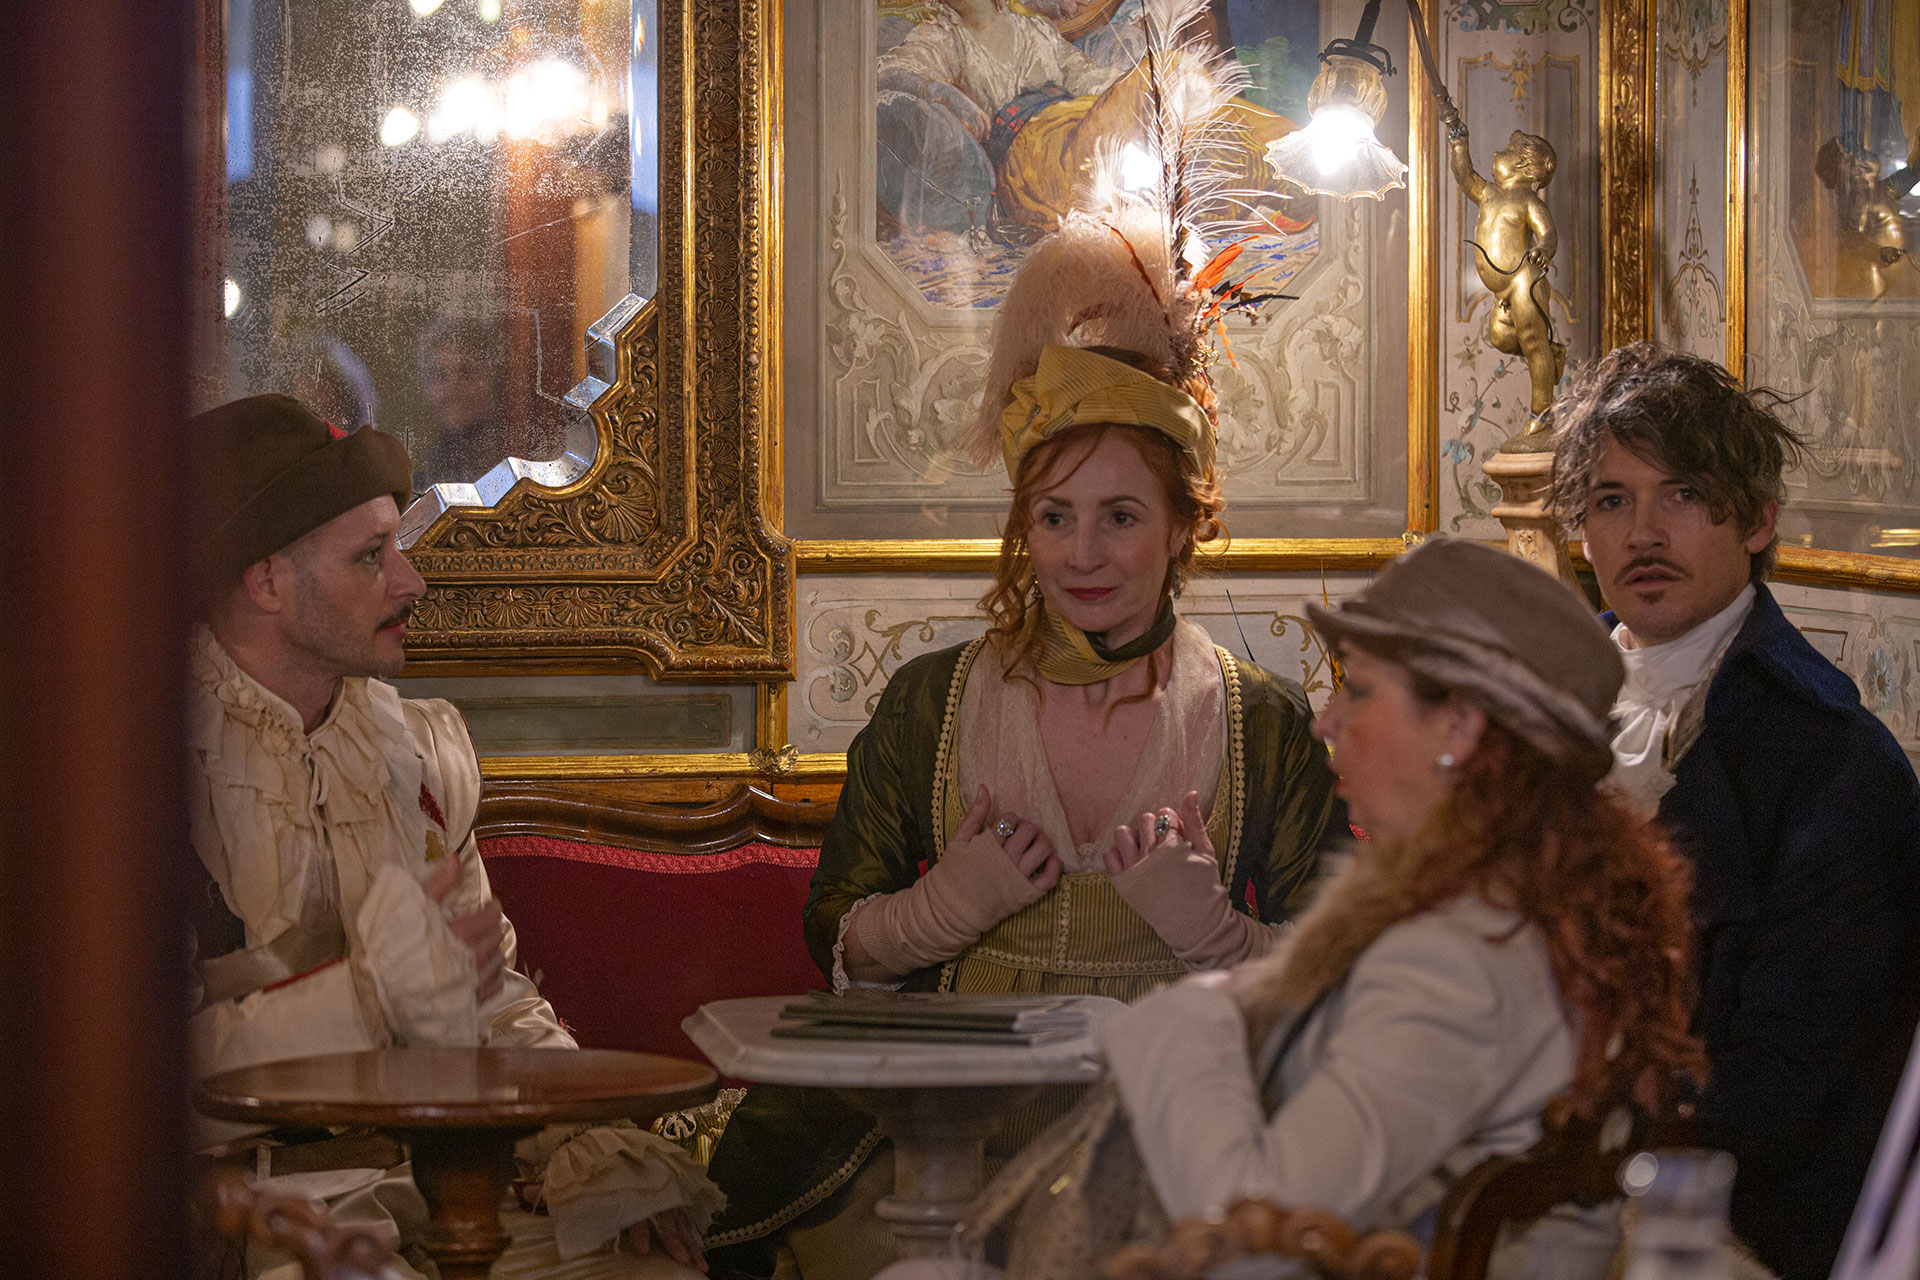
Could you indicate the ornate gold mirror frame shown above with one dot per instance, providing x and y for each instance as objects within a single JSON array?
[{"x": 665, "y": 556}]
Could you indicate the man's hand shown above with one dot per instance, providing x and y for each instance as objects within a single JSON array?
[
  {"x": 674, "y": 1232},
  {"x": 482, "y": 932}
]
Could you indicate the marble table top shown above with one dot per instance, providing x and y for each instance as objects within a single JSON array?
[{"x": 735, "y": 1035}]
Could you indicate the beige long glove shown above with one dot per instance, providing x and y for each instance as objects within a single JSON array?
[
  {"x": 1173, "y": 883},
  {"x": 976, "y": 884}
]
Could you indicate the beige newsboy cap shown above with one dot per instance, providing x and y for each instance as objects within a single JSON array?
[{"x": 1506, "y": 636}]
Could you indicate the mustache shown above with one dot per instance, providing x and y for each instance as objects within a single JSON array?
[
  {"x": 1650, "y": 562},
  {"x": 403, "y": 614}
]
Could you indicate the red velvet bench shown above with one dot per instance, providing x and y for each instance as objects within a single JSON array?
[{"x": 630, "y": 916}]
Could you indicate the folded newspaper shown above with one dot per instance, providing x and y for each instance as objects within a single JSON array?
[{"x": 957, "y": 1017}]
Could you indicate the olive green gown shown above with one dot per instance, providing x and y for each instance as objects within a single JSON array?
[{"x": 789, "y": 1154}]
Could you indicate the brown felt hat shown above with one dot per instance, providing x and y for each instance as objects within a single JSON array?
[
  {"x": 280, "y": 471},
  {"x": 1503, "y": 634}
]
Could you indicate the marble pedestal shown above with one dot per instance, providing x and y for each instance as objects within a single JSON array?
[
  {"x": 939, "y": 1103},
  {"x": 1532, "y": 532}
]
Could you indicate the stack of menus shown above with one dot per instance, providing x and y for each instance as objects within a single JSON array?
[{"x": 950, "y": 1017}]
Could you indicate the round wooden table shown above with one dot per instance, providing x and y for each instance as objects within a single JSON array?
[{"x": 459, "y": 1112}]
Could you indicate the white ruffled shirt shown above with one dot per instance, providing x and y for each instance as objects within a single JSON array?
[
  {"x": 320, "y": 841},
  {"x": 1661, "y": 680}
]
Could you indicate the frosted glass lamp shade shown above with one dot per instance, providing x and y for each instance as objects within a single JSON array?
[{"x": 1337, "y": 153}]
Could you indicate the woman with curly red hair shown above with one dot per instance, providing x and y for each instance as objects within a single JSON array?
[{"x": 1513, "y": 934}]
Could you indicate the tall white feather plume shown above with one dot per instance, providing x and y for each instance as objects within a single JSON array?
[{"x": 1119, "y": 271}]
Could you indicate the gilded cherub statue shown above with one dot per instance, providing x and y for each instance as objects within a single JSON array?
[
  {"x": 1513, "y": 245},
  {"x": 1873, "y": 232}
]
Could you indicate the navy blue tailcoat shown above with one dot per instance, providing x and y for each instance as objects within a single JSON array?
[{"x": 1801, "y": 816}]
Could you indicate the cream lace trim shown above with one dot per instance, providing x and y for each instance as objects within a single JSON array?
[{"x": 337, "y": 803}]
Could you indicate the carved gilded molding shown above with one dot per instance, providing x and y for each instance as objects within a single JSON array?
[
  {"x": 1627, "y": 64},
  {"x": 663, "y": 555},
  {"x": 977, "y": 555},
  {"x": 1736, "y": 260}
]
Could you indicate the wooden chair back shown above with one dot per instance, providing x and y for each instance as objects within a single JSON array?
[
  {"x": 243, "y": 1214},
  {"x": 1576, "y": 1161}
]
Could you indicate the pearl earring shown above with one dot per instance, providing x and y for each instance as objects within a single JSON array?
[{"x": 1446, "y": 760}]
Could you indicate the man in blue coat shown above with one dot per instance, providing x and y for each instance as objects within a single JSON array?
[{"x": 1799, "y": 812}]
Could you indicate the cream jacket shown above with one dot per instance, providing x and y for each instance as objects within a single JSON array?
[
  {"x": 1442, "y": 1047},
  {"x": 296, "y": 829}
]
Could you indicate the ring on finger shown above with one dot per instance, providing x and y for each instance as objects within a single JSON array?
[
  {"x": 1162, "y": 825},
  {"x": 1004, "y": 828}
]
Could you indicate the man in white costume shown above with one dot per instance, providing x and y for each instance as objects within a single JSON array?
[{"x": 345, "y": 905}]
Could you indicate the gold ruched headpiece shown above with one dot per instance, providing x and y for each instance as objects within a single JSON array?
[{"x": 1072, "y": 386}]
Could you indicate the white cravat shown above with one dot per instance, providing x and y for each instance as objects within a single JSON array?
[{"x": 1660, "y": 680}]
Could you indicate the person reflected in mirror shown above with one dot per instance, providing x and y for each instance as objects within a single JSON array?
[
  {"x": 459, "y": 362},
  {"x": 342, "y": 903},
  {"x": 1512, "y": 939},
  {"x": 1797, "y": 808},
  {"x": 974, "y": 846}
]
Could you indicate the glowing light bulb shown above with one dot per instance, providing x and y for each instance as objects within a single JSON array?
[
  {"x": 425, "y": 8},
  {"x": 548, "y": 99},
  {"x": 467, "y": 105},
  {"x": 489, "y": 10},
  {"x": 399, "y": 127},
  {"x": 230, "y": 298},
  {"x": 1338, "y": 134}
]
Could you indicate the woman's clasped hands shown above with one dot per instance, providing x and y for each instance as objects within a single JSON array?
[
  {"x": 1163, "y": 866},
  {"x": 992, "y": 868}
]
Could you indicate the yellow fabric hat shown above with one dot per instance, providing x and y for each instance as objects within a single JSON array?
[{"x": 1072, "y": 385}]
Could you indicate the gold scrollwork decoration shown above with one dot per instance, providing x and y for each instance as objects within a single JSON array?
[
  {"x": 1627, "y": 65},
  {"x": 663, "y": 555}
]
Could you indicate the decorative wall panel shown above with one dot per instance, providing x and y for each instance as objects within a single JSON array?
[
  {"x": 1874, "y": 637},
  {"x": 856, "y": 630},
  {"x": 894, "y": 280},
  {"x": 1690, "y": 172}
]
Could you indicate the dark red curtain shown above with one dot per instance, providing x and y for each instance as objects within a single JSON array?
[{"x": 95, "y": 232}]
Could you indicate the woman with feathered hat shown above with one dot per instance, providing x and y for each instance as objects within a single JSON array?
[{"x": 1009, "y": 767}]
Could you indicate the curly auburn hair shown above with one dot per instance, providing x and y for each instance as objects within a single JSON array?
[
  {"x": 1685, "y": 415},
  {"x": 1602, "y": 885}
]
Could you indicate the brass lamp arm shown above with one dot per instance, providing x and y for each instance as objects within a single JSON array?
[{"x": 1456, "y": 127}]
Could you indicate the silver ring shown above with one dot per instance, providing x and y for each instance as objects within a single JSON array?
[
  {"x": 1004, "y": 828},
  {"x": 1162, "y": 825}
]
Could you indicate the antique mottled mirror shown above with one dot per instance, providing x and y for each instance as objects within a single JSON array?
[
  {"x": 533, "y": 238},
  {"x": 429, "y": 202}
]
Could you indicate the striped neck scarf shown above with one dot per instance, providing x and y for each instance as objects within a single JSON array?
[{"x": 1069, "y": 655}]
